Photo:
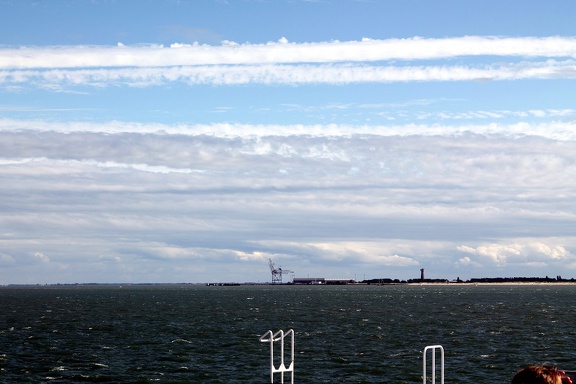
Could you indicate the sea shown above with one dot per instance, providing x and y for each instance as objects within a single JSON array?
[{"x": 342, "y": 334}]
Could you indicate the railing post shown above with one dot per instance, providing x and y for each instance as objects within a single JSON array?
[
  {"x": 433, "y": 348},
  {"x": 271, "y": 338}
]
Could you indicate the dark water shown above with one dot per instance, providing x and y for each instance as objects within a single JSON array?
[{"x": 344, "y": 334}]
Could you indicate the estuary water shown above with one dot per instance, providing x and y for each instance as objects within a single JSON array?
[{"x": 343, "y": 334}]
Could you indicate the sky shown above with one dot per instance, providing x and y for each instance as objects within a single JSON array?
[{"x": 177, "y": 141}]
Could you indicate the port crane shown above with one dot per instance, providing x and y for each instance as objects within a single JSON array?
[{"x": 277, "y": 272}]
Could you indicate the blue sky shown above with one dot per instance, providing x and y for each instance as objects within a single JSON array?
[{"x": 192, "y": 141}]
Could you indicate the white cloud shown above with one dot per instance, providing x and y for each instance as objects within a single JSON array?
[
  {"x": 396, "y": 253},
  {"x": 287, "y": 63},
  {"x": 39, "y": 256},
  {"x": 454, "y": 154},
  {"x": 257, "y": 256},
  {"x": 556, "y": 130},
  {"x": 522, "y": 251},
  {"x": 282, "y": 74},
  {"x": 467, "y": 262},
  {"x": 283, "y": 52},
  {"x": 496, "y": 114}
]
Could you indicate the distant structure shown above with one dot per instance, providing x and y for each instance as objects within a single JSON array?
[
  {"x": 321, "y": 281},
  {"x": 421, "y": 274},
  {"x": 277, "y": 272}
]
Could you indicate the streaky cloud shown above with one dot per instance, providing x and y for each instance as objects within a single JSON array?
[
  {"x": 283, "y": 74},
  {"x": 554, "y": 130},
  {"x": 283, "y": 52}
]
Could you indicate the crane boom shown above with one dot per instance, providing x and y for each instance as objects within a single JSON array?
[{"x": 276, "y": 272}]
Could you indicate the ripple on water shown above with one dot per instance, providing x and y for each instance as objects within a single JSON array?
[{"x": 354, "y": 334}]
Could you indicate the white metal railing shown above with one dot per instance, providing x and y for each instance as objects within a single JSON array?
[
  {"x": 271, "y": 338},
  {"x": 433, "y": 348}
]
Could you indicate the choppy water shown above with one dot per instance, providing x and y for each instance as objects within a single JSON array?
[{"x": 344, "y": 334}]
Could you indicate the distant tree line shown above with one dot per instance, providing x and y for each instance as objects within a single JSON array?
[
  {"x": 520, "y": 279},
  {"x": 397, "y": 281},
  {"x": 546, "y": 279},
  {"x": 383, "y": 281}
]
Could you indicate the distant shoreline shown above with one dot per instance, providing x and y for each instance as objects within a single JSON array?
[
  {"x": 500, "y": 283},
  {"x": 411, "y": 283}
]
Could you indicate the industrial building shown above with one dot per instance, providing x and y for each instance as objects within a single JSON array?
[
  {"x": 321, "y": 281},
  {"x": 277, "y": 273}
]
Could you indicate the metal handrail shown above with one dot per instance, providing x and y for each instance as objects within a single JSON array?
[
  {"x": 433, "y": 348},
  {"x": 271, "y": 338}
]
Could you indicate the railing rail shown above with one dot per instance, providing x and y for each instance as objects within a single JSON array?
[
  {"x": 433, "y": 349},
  {"x": 270, "y": 337}
]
